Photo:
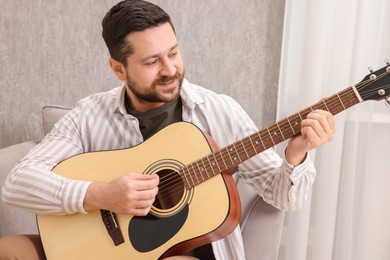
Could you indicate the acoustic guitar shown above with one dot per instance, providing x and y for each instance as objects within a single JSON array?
[{"x": 197, "y": 202}]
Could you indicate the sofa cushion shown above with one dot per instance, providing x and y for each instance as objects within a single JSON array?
[
  {"x": 14, "y": 220},
  {"x": 50, "y": 115}
]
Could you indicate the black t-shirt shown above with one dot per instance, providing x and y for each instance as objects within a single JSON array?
[{"x": 151, "y": 122}]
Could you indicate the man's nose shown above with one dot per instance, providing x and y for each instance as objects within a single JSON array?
[{"x": 168, "y": 68}]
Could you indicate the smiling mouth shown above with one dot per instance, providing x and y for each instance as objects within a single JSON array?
[{"x": 167, "y": 82}]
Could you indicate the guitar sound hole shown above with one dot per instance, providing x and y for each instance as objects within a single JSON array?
[{"x": 170, "y": 190}]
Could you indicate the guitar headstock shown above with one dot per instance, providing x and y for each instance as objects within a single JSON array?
[{"x": 376, "y": 85}]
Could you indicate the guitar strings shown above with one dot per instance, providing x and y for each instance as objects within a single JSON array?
[
  {"x": 240, "y": 151},
  {"x": 178, "y": 188},
  {"x": 243, "y": 153}
]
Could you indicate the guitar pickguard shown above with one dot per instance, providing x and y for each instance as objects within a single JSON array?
[{"x": 149, "y": 232}]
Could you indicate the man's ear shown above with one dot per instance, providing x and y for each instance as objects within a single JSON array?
[{"x": 118, "y": 68}]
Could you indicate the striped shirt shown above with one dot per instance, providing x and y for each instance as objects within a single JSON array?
[{"x": 100, "y": 122}]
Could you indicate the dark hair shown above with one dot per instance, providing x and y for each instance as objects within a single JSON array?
[{"x": 126, "y": 17}]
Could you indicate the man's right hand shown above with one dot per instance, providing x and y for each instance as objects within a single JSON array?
[{"x": 131, "y": 194}]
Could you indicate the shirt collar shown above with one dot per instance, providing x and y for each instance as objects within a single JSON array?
[
  {"x": 120, "y": 106},
  {"x": 189, "y": 97}
]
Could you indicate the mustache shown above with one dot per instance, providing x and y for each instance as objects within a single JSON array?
[{"x": 165, "y": 79}]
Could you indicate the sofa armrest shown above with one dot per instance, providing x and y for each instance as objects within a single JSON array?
[
  {"x": 14, "y": 220},
  {"x": 261, "y": 225}
]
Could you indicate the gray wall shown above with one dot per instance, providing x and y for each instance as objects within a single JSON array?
[{"x": 51, "y": 52}]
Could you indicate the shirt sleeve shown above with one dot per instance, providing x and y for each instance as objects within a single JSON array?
[
  {"x": 279, "y": 183},
  {"x": 33, "y": 186}
]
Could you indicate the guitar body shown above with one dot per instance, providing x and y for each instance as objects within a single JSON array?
[{"x": 195, "y": 216}]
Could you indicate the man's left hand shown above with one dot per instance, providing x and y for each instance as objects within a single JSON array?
[{"x": 317, "y": 129}]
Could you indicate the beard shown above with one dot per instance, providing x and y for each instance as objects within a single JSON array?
[{"x": 151, "y": 94}]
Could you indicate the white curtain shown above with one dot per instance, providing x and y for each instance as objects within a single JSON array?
[{"x": 328, "y": 46}]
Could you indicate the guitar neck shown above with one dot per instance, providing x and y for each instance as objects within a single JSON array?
[{"x": 231, "y": 156}]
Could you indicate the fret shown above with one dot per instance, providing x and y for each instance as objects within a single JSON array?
[
  {"x": 278, "y": 135},
  {"x": 227, "y": 151},
  {"x": 193, "y": 183},
  {"x": 204, "y": 169},
  {"x": 292, "y": 128},
  {"x": 188, "y": 174},
  {"x": 286, "y": 129},
  {"x": 184, "y": 175},
  {"x": 341, "y": 102},
  {"x": 297, "y": 122},
  {"x": 274, "y": 132},
  {"x": 323, "y": 101},
  {"x": 268, "y": 142},
  {"x": 270, "y": 136},
  {"x": 254, "y": 147},
  {"x": 299, "y": 114},
  {"x": 280, "y": 131},
  {"x": 239, "y": 158},
  {"x": 216, "y": 163},
  {"x": 211, "y": 167},
  {"x": 199, "y": 172},
  {"x": 222, "y": 160},
  {"x": 243, "y": 146},
  {"x": 305, "y": 113},
  {"x": 261, "y": 140}
]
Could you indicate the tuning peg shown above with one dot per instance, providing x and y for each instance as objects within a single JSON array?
[
  {"x": 387, "y": 61},
  {"x": 372, "y": 76}
]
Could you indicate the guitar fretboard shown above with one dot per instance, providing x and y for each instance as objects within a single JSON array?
[{"x": 231, "y": 156}]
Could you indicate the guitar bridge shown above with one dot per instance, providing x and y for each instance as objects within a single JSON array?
[{"x": 112, "y": 226}]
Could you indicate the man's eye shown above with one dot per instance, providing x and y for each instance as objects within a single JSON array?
[
  {"x": 151, "y": 62},
  {"x": 173, "y": 54}
]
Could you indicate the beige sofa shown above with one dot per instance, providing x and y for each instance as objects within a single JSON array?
[{"x": 261, "y": 223}]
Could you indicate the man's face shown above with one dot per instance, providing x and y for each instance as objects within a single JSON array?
[{"x": 154, "y": 71}]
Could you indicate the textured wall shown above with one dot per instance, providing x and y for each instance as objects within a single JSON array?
[{"x": 51, "y": 52}]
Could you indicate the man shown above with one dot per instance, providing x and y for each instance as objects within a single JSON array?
[{"x": 145, "y": 55}]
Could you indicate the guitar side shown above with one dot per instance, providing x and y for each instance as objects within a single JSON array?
[{"x": 213, "y": 206}]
